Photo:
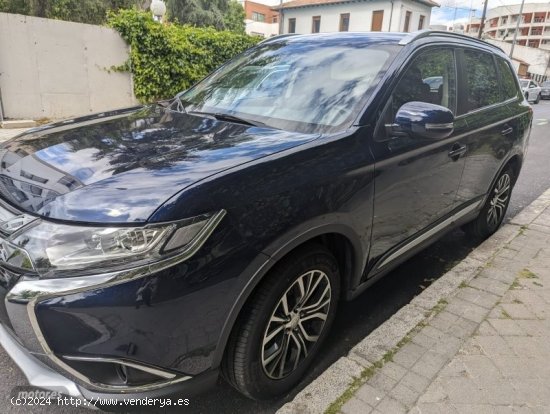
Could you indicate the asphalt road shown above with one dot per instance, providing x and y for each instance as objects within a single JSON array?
[{"x": 356, "y": 319}]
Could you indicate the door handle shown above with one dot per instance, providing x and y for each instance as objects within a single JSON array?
[
  {"x": 457, "y": 150},
  {"x": 507, "y": 130}
]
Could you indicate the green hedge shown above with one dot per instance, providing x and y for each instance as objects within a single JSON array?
[{"x": 168, "y": 58}]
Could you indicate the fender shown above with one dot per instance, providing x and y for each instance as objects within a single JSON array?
[
  {"x": 514, "y": 153},
  {"x": 263, "y": 262}
]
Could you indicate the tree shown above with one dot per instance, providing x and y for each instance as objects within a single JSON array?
[
  {"x": 83, "y": 11},
  {"x": 198, "y": 13},
  {"x": 234, "y": 18}
]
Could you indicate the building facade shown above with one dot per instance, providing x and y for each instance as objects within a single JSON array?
[
  {"x": 261, "y": 19},
  {"x": 314, "y": 16},
  {"x": 501, "y": 22}
]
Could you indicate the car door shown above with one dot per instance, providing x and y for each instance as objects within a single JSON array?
[
  {"x": 488, "y": 136},
  {"x": 416, "y": 180}
]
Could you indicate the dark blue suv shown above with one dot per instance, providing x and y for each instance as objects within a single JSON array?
[{"x": 146, "y": 250}]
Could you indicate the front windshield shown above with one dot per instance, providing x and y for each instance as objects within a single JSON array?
[
  {"x": 303, "y": 86},
  {"x": 524, "y": 83}
]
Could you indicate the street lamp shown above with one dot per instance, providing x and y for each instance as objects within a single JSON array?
[{"x": 158, "y": 8}]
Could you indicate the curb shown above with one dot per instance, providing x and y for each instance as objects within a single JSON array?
[{"x": 344, "y": 377}]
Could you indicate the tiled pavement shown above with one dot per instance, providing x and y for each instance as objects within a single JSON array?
[{"x": 484, "y": 349}]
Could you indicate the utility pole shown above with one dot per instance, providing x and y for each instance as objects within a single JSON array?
[
  {"x": 482, "y": 23},
  {"x": 517, "y": 28},
  {"x": 281, "y": 18}
]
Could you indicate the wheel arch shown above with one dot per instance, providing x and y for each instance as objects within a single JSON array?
[
  {"x": 340, "y": 239},
  {"x": 515, "y": 160}
]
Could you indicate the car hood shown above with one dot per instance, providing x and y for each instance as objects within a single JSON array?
[{"x": 120, "y": 166}]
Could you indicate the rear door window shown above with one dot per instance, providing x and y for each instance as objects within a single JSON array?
[
  {"x": 480, "y": 75},
  {"x": 508, "y": 80}
]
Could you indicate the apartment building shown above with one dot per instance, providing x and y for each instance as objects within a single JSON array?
[{"x": 501, "y": 23}]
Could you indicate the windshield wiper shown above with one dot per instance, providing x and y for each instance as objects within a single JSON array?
[
  {"x": 230, "y": 118},
  {"x": 180, "y": 107}
]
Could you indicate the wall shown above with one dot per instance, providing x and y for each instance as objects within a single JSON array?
[
  {"x": 360, "y": 16},
  {"x": 261, "y": 29},
  {"x": 55, "y": 69}
]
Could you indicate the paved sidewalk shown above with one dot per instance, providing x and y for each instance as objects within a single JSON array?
[
  {"x": 6, "y": 134},
  {"x": 482, "y": 347}
]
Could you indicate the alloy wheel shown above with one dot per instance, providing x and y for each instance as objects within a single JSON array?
[
  {"x": 498, "y": 203},
  {"x": 296, "y": 324}
]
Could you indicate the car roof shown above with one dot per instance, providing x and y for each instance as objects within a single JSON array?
[
  {"x": 382, "y": 37},
  {"x": 337, "y": 37}
]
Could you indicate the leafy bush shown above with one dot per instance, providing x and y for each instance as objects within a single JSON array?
[{"x": 168, "y": 58}]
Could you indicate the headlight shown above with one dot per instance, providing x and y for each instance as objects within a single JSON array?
[{"x": 65, "y": 248}]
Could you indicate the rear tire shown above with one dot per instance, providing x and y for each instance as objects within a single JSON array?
[
  {"x": 492, "y": 214},
  {"x": 281, "y": 328}
]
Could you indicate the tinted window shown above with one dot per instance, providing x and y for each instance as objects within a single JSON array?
[
  {"x": 508, "y": 80},
  {"x": 482, "y": 87},
  {"x": 430, "y": 78}
]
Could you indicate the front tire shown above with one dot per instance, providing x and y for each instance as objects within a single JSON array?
[
  {"x": 492, "y": 214},
  {"x": 538, "y": 99},
  {"x": 283, "y": 325}
]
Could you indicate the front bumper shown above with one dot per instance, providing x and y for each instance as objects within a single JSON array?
[
  {"x": 41, "y": 376},
  {"x": 90, "y": 336},
  {"x": 37, "y": 374}
]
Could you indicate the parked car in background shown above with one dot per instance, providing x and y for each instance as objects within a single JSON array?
[
  {"x": 545, "y": 90},
  {"x": 147, "y": 250},
  {"x": 434, "y": 82},
  {"x": 531, "y": 90}
]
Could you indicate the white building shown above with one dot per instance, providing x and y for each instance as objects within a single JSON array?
[
  {"x": 314, "y": 16},
  {"x": 501, "y": 22}
]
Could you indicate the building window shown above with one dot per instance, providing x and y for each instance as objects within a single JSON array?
[
  {"x": 504, "y": 20},
  {"x": 421, "y": 22},
  {"x": 68, "y": 182},
  {"x": 344, "y": 22},
  {"x": 316, "y": 24},
  {"x": 275, "y": 19},
  {"x": 407, "y": 21},
  {"x": 292, "y": 25},
  {"x": 533, "y": 43},
  {"x": 258, "y": 17},
  {"x": 377, "y": 19}
]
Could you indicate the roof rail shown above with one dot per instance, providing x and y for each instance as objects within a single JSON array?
[{"x": 426, "y": 33}]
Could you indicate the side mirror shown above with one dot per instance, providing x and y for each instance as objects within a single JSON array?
[{"x": 424, "y": 120}]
